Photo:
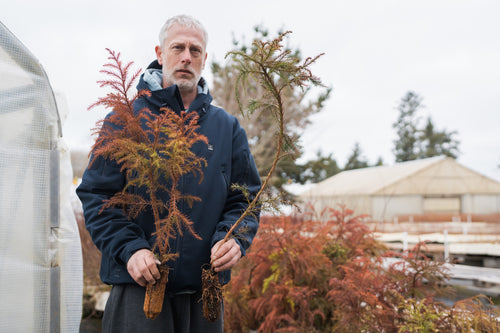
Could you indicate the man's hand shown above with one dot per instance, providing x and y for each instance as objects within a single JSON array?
[
  {"x": 226, "y": 256},
  {"x": 142, "y": 267}
]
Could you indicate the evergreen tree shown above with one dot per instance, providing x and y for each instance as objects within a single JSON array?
[
  {"x": 414, "y": 142},
  {"x": 314, "y": 171},
  {"x": 319, "y": 169},
  {"x": 437, "y": 143},
  {"x": 379, "y": 162},
  {"x": 406, "y": 144},
  {"x": 356, "y": 160},
  {"x": 289, "y": 172}
]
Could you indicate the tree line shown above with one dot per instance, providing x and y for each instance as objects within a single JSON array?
[{"x": 416, "y": 138}]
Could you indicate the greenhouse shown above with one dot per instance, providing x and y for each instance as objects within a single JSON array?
[
  {"x": 436, "y": 185},
  {"x": 40, "y": 252}
]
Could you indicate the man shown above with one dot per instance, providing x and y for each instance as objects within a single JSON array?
[{"x": 175, "y": 81}]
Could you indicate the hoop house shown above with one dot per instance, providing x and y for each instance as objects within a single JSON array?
[{"x": 40, "y": 251}]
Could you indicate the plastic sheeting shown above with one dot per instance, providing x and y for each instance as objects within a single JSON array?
[{"x": 41, "y": 277}]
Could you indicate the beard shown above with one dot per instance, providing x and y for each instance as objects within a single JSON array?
[{"x": 185, "y": 84}]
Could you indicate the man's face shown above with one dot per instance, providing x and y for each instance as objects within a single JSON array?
[{"x": 183, "y": 57}]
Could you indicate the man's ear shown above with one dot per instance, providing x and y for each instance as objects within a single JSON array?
[{"x": 158, "y": 54}]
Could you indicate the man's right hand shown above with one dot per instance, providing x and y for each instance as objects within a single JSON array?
[{"x": 142, "y": 266}]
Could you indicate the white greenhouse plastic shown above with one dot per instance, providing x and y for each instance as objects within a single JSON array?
[{"x": 40, "y": 253}]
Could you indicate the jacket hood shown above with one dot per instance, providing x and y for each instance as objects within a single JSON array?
[{"x": 170, "y": 97}]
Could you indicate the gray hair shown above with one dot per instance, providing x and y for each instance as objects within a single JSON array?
[{"x": 186, "y": 21}]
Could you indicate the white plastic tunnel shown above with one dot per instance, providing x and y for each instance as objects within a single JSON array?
[{"x": 40, "y": 253}]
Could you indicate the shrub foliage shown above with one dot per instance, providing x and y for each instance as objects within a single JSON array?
[{"x": 329, "y": 274}]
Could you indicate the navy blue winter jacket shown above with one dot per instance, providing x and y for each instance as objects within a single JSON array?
[{"x": 228, "y": 162}]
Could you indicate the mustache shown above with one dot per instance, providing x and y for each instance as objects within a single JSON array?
[{"x": 184, "y": 70}]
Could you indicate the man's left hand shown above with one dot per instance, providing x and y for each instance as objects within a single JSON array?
[{"x": 225, "y": 256}]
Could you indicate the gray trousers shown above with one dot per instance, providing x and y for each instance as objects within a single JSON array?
[{"x": 180, "y": 314}]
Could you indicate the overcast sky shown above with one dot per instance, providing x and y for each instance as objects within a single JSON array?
[{"x": 448, "y": 52}]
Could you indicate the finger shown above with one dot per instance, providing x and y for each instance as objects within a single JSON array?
[
  {"x": 227, "y": 265},
  {"x": 228, "y": 260},
  {"x": 142, "y": 267},
  {"x": 221, "y": 250},
  {"x": 151, "y": 263},
  {"x": 137, "y": 276},
  {"x": 145, "y": 270},
  {"x": 140, "y": 281},
  {"x": 228, "y": 255},
  {"x": 214, "y": 250}
]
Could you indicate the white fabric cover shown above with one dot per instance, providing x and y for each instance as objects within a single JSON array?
[{"x": 41, "y": 277}]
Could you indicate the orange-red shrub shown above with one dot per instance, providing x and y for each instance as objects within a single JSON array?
[{"x": 303, "y": 275}]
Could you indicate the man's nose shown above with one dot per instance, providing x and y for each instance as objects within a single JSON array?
[{"x": 186, "y": 56}]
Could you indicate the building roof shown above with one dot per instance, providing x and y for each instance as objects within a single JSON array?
[{"x": 435, "y": 176}]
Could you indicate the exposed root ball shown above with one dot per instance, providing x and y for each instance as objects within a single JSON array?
[
  {"x": 211, "y": 294},
  {"x": 155, "y": 293}
]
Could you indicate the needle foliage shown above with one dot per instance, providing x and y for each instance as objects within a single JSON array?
[{"x": 153, "y": 150}]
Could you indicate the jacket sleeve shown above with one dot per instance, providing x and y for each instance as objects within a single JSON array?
[
  {"x": 112, "y": 232},
  {"x": 243, "y": 173}
]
